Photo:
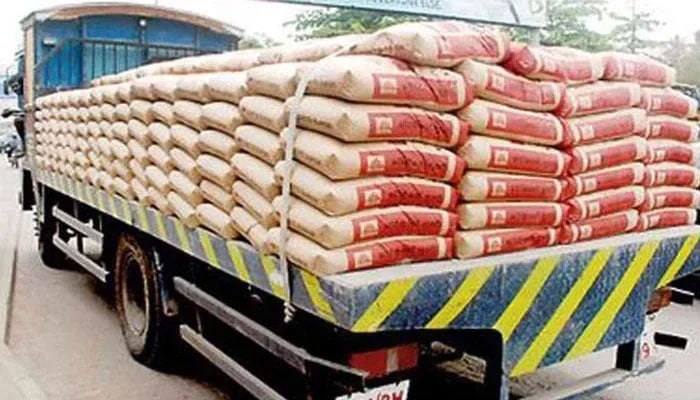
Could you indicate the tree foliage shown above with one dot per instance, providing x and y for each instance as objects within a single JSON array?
[
  {"x": 630, "y": 30},
  {"x": 332, "y": 22}
]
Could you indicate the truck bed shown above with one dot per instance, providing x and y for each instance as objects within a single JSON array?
[{"x": 549, "y": 305}]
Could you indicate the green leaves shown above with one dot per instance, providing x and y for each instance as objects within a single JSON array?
[{"x": 333, "y": 22}]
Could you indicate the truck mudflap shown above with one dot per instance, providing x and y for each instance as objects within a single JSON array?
[{"x": 548, "y": 306}]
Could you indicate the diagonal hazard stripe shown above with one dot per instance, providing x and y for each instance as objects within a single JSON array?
[
  {"x": 162, "y": 232},
  {"x": 208, "y": 249},
  {"x": 238, "y": 262},
  {"x": 594, "y": 332},
  {"x": 313, "y": 287},
  {"x": 143, "y": 218},
  {"x": 384, "y": 305},
  {"x": 522, "y": 302},
  {"x": 181, "y": 235},
  {"x": 679, "y": 261},
  {"x": 274, "y": 277},
  {"x": 471, "y": 285},
  {"x": 544, "y": 340}
]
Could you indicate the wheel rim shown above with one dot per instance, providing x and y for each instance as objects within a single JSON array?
[{"x": 134, "y": 295}]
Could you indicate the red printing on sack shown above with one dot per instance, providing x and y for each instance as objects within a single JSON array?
[
  {"x": 506, "y": 121},
  {"x": 520, "y": 216},
  {"x": 521, "y": 239},
  {"x": 409, "y": 194},
  {"x": 422, "y": 223},
  {"x": 529, "y": 92},
  {"x": 416, "y": 88},
  {"x": 522, "y": 188},
  {"x": 411, "y": 126},
  {"x": 524, "y": 161},
  {"x": 397, "y": 251},
  {"x": 412, "y": 163}
]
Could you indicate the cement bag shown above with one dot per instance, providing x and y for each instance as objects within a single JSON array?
[
  {"x": 106, "y": 165},
  {"x": 489, "y": 154},
  {"x": 609, "y": 225},
  {"x": 138, "y": 152},
  {"x": 607, "y": 126},
  {"x": 186, "y": 139},
  {"x": 141, "y": 88},
  {"x": 510, "y": 215},
  {"x": 264, "y": 112},
  {"x": 106, "y": 94},
  {"x": 160, "y": 135},
  {"x": 599, "y": 97},
  {"x": 483, "y": 186},
  {"x": 368, "y": 123},
  {"x": 573, "y": 67},
  {"x": 93, "y": 156},
  {"x": 221, "y": 116},
  {"x": 637, "y": 68},
  {"x": 217, "y": 221},
  {"x": 496, "y": 84},
  {"x": 95, "y": 113},
  {"x": 606, "y": 179},
  {"x": 192, "y": 87},
  {"x": 217, "y": 196},
  {"x": 333, "y": 232},
  {"x": 185, "y": 188},
  {"x": 253, "y": 202},
  {"x": 184, "y": 212},
  {"x": 139, "y": 131},
  {"x": 122, "y": 188},
  {"x": 670, "y": 196},
  {"x": 186, "y": 164},
  {"x": 140, "y": 192},
  {"x": 340, "y": 198},
  {"x": 122, "y": 112},
  {"x": 275, "y": 80},
  {"x": 661, "y": 150},
  {"x": 605, "y": 202},
  {"x": 338, "y": 160},
  {"x": 227, "y": 86},
  {"x": 160, "y": 201},
  {"x": 669, "y": 102},
  {"x": 160, "y": 158},
  {"x": 233, "y": 61},
  {"x": 119, "y": 131},
  {"x": 106, "y": 181},
  {"x": 609, "y": 154},
  {"x": 93, "y": 176},
  {"x": 163, "y": 87},
  {"x": 665, "y": 127},
  {"x": 249, "y": 227},
  {"x": 438, "y": 43},
  {"x": 138, "y": 171},
  {"x": 72, "y": 114},
  {"x": 83, "y": 114},
  {"x": 188, "y": 113},
  {"x": 506, "y": 122},
  {"x": 307, "y": 50},
  {"x": 163, "y": 112},
  {"x": 105, "y": 147},
  {"x": 257, "y": 174},
  {"x": 672, "y": 174},
  {"x": 217, "y": 143},
  {"x": 82, "y": 145},
  {"x": 666, "y": 218},
  {"x": 472, "y": 244},
  {"x": 260, "y": 142},
  {"x": 141, "y": 110},
  {"x": 372, "y": 79},
  {"x": 121, "y": 168},
  {"x": 158, "y": 179},
  {"x": 373, "y": 254},
  {"x": 106, "y": 113},
  {"x": 216, "y": 170}
]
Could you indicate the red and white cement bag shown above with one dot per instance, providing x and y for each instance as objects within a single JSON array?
[
  {"x": 333, "y": 232},
  {"x": 670, "y": 196},
  {"x": 260, "y": 142},
  {"x": 570, "y": 66},
  {"x": 666, "y": 218},
  {"x": 489, "y": 154},
  {"x": 669, "y": 102},
  {"x": 438, "y": 43},
  {"x": 506, "y": 122},
  {"x": 607, "y": 126},
  {"x": 264, "y": 112},
  {"x": 259, "y": 207},
  {"x": 609, "y": 225},
  {"x": 599, "y": 97},
  {"x": 606, "y": 179},
  {"x": 307, "y": 50},
  {"x": 373, "y": 79},
  {"x": 275, "y": 80},
  {"x": 661, "y": 150},
  {"x": 672, "y": 174},
  {"x": 605, "y": 202},
  {"x": 497, "y": 84},
  {"x": 666, "y": 127},
  {"x": 338, "y": 160},
  {"x": 344, "y": 197},
  {"x": 472, "y": 244},
  {"x": 373, "y": 254},
  {"x": 370, "y": 123},
  {"x": 227, "y": 86},
  {"x": 510, "y": 215},
  {"x": 483, "y": 186},
  {"x": 637, "y": 68},
  {"x": 609, "y": 154}
]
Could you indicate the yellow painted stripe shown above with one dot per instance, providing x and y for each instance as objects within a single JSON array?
[
  {"x": 594, "y": 332},
  {"x": 238, "y": 262},
  {"x": 100, "y": 201},
  {"x": 522, "y": 301},
  {"x": 113, "y": 206},
  {"x": 271, "y": 272},
  {"x": 127, "y": 211},
  {"x": 160, "y": 225},
  {"x": 182, "y": 236},
  {"x": 143, "y": 218},
  {"x": 466, "y": 292},
  {"x": 546, "y": 337},
  {"x": 679, "y": 261},
  {"x": 388, "y": 300},
  {"x": 313, "y": 288},
  {"x": 208, "y": 249}
]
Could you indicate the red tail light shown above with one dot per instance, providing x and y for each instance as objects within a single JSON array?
[{"x": 386, "y": 361}]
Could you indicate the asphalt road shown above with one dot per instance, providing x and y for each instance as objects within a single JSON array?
[{"x": 66, "y": 335}]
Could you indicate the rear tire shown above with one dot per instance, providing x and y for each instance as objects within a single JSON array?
[{"x": 50, "y": 255}]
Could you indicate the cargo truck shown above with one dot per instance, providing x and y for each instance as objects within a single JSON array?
[{"x": 368, "y": 334}]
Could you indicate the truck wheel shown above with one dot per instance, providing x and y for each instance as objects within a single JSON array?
[
  {"x": 147, "y": 332},
  {"x": 50, "y": 255}
]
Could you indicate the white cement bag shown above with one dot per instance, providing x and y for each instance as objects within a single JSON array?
[
  {"x": 607, "y": 126},
  {"x": 140, "y": 192},
  {"x": 141, "y": 110},
  {"x": 275, "y": 80},
  {"x": 185, "y": 212},
  {"x": 139, "y": 131},
  {"x": 260, "y": 142},
  {"x": 307, "y": 50},
  {"x": 259, "y": 207},
  {"x": 184, "y": 187},
  {"x": 188, "y": 113},
  {"x": 163, "y": 87},
  {"x": 217, "y": 221},
  {"x": 122, "y": 188},
  {"x": 221, "y": 116},
  {"x": 107, "y": 113},
  {"x": 138, "y": 152},
  {"x": 160, "y": 134},
  {"x": 490, "y": 186},
  {"x": 510, "y": 215},
  {"x": 141, "y": 88},
  {"x": 216, "y": 170},
  {"x": 158, "y": 179},
  {"x": 264, "y": 112},
  {"x": 186, "y": 164},
  {"x": 249, "y": 228},
  {"x": 607, "y": 226},
  {"x": 117, "y": 130},
  {"x": 122, "y": 112},
  {"x": 472, "y": 244},
  {"x": 186, "y": 139},
  {"x": 216, "y": 195},
  {"x": 192, "y": 87},
  {"x": 608, "y": 154},
  {"x": 673, "y": 128},
  {"x": 217, "y": 143},
  {"x": 606, "y": 202},
  {"x": 670, "y": 196},
  {"x": 160, "y": 158},
  {"x": 120, "y": 167},
  {"x": 138, "y": 171},
  {"x": 163, "y": 112},
  {"x": 160, "y": 201},
  {"x": 227, "y": 86},
  {"x": 257, "y": 174}
]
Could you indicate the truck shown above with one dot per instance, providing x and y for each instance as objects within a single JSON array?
[{"x": 287, "y": 333}]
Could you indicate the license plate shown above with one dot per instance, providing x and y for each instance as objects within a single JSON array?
[
  {"x": 648, "y": 348},
  {"x": 394, "y": 391}
]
